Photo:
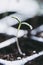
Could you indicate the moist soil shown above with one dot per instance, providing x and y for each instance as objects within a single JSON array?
[{"x": 27, "y": 46}]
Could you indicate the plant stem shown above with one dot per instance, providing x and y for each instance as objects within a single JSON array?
[{"x": 19, "y": 49}]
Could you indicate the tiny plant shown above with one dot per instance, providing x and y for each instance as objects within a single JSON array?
[{"x": 21, "y": 23}]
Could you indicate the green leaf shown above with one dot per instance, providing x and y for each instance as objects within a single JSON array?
[
  {"x": 16, "y": 19},
  {"x": 27, "y": 25}
]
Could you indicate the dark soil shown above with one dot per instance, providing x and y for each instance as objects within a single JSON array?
[{"x": 27, "y": 46}]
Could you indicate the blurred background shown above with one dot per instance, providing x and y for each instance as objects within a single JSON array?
[{"x": 34, "y": 39}]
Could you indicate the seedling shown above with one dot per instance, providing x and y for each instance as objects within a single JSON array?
[{"x": 21, "y": 23}]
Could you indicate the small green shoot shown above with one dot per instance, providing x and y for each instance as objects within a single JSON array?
[{"x": 21, "y": 23}]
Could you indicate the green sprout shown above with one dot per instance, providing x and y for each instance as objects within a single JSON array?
[{"x": 21, "y": 23}]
